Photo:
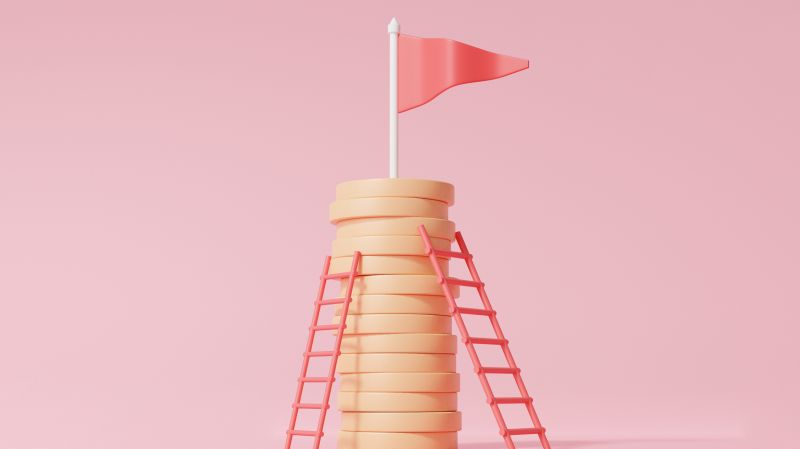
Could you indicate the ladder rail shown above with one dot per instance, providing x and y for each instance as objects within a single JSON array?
[
  {"x": 313, "y": 328},
  {"x": 469, "y": 342}
]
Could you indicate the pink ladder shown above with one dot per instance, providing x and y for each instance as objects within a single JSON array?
[
  {"x": 334, "y": 353},
  {"x": 499, "y": 340}
]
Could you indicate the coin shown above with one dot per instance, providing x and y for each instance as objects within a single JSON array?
[
  {"x": 443, "y": 229},
  {"x": 394, "y": 187},
  {"x": 400, "y": 343},
  {"x": 396, "y": 323},
  {"x": 355, "y": 401},
  {"x": 396, "y": 363},
  {"x": 397, "y": 440},
  {"x": 401, "y": 422},
  {"x": 398, "y": 382},
  {"x": 386, "y": 207}
]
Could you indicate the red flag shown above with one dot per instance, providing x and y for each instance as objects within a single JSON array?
[{"x": 429, "y": 66}]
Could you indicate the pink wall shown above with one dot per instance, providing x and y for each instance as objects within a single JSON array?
[{"x": 166, "y": 168}]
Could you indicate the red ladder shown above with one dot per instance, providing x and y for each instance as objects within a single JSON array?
[
  {"x": 470, "y": 342},
  {"x": 334, "y": 353}
]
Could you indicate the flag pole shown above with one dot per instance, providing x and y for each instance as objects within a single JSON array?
[{"x": 394, "y": 30}]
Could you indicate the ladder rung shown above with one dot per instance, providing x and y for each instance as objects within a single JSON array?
[
  {"x": 510, "y": 400},
  {"x": 310, "y": 406},
  {"x": 319, "y": 354},
  {"x": 464, "y": 282},
  {"x": 485, "y": 341},
  {"x": 337, "y": 275},
  {"x": 328, "y": 302},
  {"x": 314, "y": 379},
  {"x": 497, "y": 370},
  {"x": 325, "y": 327},
  {"x": 445, "y": 253},
  {"x": 304, "y": 433},
  {"x": 472, "y": 311},
  {"x": 523, "y": 431}
]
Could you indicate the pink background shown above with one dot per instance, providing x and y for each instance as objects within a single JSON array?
[{"x": 166, "y": 169}]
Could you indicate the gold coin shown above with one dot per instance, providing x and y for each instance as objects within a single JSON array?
[
  {"x": 399, "y": 382},
  {"x": 397, "y": 440},
  {"x": 397, "y": 187},
  {"x": 399, "y": 284},
  {"x": 386, "y": 207},
  {"x": 397, "y": 323},
  {"x": 396, "y": 363},
  {"x": 389, "y": 265},
  {"x": 416, "y": 304},
  {"x": 401, "y": 422},
  {"x": 443, "y": 229},
  {"x": 401, "y": 343},
  {"x": 357, "y": 401},
  {"x": 385, "y": 245}
]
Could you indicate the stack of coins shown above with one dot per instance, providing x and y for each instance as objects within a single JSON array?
[{"x": 397, "y": 369}]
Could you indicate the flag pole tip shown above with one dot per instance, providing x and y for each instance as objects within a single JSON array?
[{"x": 394, "y": 26}]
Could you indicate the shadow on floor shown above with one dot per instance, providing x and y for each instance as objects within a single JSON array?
[{"x": 632, "y": 443}]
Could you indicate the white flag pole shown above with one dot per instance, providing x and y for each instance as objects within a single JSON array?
[{"x": 394, "y": 30}]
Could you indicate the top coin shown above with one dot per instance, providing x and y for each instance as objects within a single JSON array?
[{"x": 397, "y": 187}]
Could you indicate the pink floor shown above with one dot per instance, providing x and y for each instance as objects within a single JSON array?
[{"x": 642, "y": 443}]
